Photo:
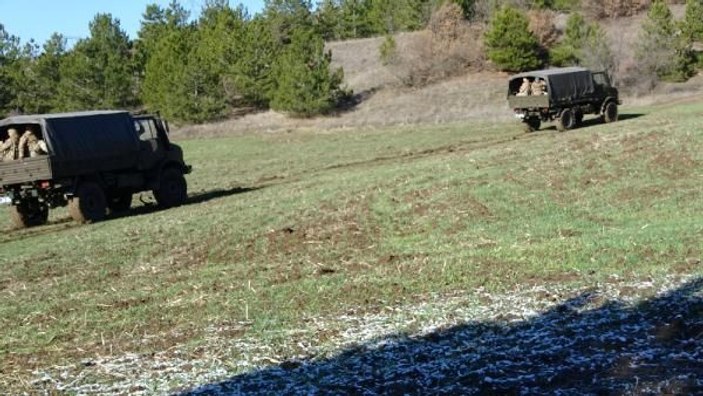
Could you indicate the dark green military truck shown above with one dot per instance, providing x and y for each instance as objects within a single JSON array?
[
  {"x": 569, "y": 93},
  {"x": 95, "y": 162}
]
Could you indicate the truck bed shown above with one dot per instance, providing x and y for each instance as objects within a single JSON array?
[{"x": 25, "y": 170}]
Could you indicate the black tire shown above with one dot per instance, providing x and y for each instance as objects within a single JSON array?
[
  {"x": 29, "y": 214},
  {"x": 610, "y": 112},
  {"x": 532, "y": 124},
  {"x": 173, "y": 189},
  {"x": 88, "y": 203},
  {"x": 120, "y": 202},
  {"x": 566, "y": 120},
  {"x": 578, "y": 117}
]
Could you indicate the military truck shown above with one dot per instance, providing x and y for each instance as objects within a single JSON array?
[
  {"x": 96, "y": 161},
  {"x": 567, "y": 95}
]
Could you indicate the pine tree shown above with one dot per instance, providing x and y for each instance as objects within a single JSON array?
[
  {"x": 328, "y": 19},
  {"x": 214, "y": 50},
  {"x": 285, "y": 16},
  {"x": 155, "y": 24},
  {"x": 9, "y": 55},
  {"x": 24, "y": 80},
  {"x": 47, "y": 68},
  {"x": 692, "y": 25},
  {"x": 97, "y": 73},
  {"x": 392, "y": 16},
  {"x": 252, "y": 72},
  {"x": 510, "y": 44},
  {"x": 306, "y": 85},
  {"x": 355, "y": 22},
  {"x": 662, "y": 50},
  {"x": 163, "y": 89}
]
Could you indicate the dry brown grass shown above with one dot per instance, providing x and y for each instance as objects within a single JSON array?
[{"x": 614, "y": 8}]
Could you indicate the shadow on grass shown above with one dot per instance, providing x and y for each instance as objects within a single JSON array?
[
  {"x": 351, "y": 102},
  {"x": 150, "y": 206},
  {"x": 586, "y": 345},
  {"x": 590, "y": 122}
]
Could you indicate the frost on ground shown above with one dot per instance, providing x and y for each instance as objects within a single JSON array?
[{"x": 619, "y": 337}]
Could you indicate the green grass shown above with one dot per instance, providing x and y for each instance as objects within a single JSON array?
[{"x": 289, "y": 226}]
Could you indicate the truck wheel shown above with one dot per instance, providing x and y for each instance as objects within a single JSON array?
[
  {"x": 88, "y": 204},
  {"x": 566, "y": 120},
  {"x": 578, "y": 117},
  {"x": 610, "y": 112},
  {"x": 532, "y": 124},
  {"x": 173, "y": 190},
  {"x": 120, "y": 202},
  {"x": 29, "y": 214}
]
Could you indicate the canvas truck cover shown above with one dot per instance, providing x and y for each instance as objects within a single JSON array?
[
  {"x": 564, "y": 84},
  {"x": 85, "y": 142}
]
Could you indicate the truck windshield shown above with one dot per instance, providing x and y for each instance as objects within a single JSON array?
[
  {"x": 145, "y": 128},
  {"x": 600, "y": 79}
]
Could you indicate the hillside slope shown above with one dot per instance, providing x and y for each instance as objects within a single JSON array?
[{"x": 471, "y": 97}]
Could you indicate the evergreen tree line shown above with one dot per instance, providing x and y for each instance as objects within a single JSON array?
[
  {"x": 188, "y": 70},
  {"x": 199, "y": 70}
]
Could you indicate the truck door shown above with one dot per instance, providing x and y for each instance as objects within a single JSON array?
[{"x": 152, "y": 151}]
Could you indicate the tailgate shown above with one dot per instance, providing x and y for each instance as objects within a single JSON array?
[
  {"x": 25, "y": 170},
  {"x": 528, "y": 102}
]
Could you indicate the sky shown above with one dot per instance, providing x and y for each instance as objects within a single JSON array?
[{"x": 38, "y": 19}]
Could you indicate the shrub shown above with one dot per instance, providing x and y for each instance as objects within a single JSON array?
[
  {"x": 448, "y": 47},
  {"x": 510, "y": 43},
  {"x": 388, "y": 51}
]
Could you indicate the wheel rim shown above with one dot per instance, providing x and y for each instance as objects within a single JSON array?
[
  {"x": 567, "y": 119},
  {"x": 612, "y": 111}
]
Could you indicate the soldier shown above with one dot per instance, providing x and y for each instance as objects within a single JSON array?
[
  {"x": 9, "y": 150},
  {"x": 30, "y": 144},
  {"x": 538, "y": 87},
  {"x": 524, "y": 88}
]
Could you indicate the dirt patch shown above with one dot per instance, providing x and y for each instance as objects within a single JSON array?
[
  {"x": 321, "y": 246},
  {"x": 674, "y": 163}
]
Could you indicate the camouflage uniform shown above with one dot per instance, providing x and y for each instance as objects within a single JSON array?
[
  {"x": 9, "y": 150},
  {"x": 31, "y": 145},
  {"x": 538, "y": 87},
  {"x": 524, "y": 88}
]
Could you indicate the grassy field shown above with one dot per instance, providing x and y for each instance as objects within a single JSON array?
[{"x": 286, "y": 226}]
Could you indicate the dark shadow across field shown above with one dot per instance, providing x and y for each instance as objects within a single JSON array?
[
  {"x": 149, "y": 206},
  {"x": 584, "y": 346}
]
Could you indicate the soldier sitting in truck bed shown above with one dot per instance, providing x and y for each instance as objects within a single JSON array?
[
  {"x": 9, "y": 150},
  {"x": 524, "y": 88},
  {"x": 539, "y": 87},
  {"x": 31, "y": 146}
]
